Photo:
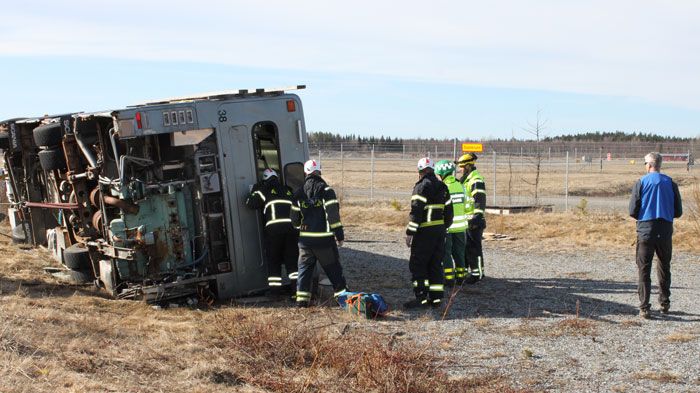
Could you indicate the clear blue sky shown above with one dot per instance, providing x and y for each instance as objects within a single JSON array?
[{"x": 469, "y": 70}]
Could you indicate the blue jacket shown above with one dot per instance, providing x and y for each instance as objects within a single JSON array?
[{"x": 655, "y": 202}]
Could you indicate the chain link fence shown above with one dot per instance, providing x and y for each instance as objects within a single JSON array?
[{"x": 578, "y": 176}]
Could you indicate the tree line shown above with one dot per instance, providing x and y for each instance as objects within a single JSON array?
[
  {"x": 617, "y": 136},
  {"x": 321, "y": 137}
]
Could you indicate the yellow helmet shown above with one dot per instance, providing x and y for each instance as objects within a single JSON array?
[{"x": 467, "y": 159}]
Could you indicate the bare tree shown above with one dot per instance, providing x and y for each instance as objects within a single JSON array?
[{"x": 537, "y": 131}]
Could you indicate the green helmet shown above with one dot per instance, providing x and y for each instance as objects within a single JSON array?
[{"x": 444, "y": 168}]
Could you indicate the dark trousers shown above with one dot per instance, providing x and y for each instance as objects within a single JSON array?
[
  {"x": 453, "y": 262},
  {"x": 645, "y": 254},
  {"x": 425, "y": 264},
  {"x": 281, "y": 249},
  {"x": 328, "y": 258},
  {"x": 474, "y": 252}
]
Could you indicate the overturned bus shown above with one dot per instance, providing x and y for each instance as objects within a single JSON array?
[{"x": 148, "y": 201}]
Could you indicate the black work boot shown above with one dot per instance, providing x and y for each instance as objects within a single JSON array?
[{"x": 471, "y": 280}]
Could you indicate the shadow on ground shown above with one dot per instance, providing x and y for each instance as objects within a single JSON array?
[
  {"x": 389, "y": 276},
  {"x": 496, "y": 297}
]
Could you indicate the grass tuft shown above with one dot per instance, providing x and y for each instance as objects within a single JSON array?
[
  {"x": 575, "y": 327},
  {"x": 681, "y": 337},
  {"x": 659, "y": 376}
]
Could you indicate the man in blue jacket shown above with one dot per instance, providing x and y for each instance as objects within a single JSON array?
[{"x": 655, "y": 202}]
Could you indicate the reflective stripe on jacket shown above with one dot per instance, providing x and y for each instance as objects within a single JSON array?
[
  {"x": 458, "y": 197},
  {"x": 316, "y": 213},
  {"x": 431, "y": 205},
  {"x": 275, "y": 201},
  {"x": 476, "y": 194}
]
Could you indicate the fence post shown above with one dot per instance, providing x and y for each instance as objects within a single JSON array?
[
  {"x": 436, "y": 155},
  {"x": 342, "y": 171},
  {"x": 454, "y": 151},
  {"x": 522, "y": 163},
  {"x": 319, "y": 156},
  {"x": 494, "y": 177},
  {"x": 371, "y": 177},
  {"x": 601, "y": 159},
  {"x": 403, "y": 151},
  {"x": 566, "y": 184}
]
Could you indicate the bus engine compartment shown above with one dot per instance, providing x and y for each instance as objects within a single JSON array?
[{"x": 147, "y": 201}]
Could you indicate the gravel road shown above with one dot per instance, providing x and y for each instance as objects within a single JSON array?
[{"x": 520, "y": 322}]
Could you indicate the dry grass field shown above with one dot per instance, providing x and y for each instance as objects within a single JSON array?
[
  {"x": 516, "y": 179},
  {"x": 58, "y": 337}
]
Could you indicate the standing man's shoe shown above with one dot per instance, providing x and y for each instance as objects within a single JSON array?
[
  {"x": 665, "y": 309},
  {"x": 645, "y": 314}
]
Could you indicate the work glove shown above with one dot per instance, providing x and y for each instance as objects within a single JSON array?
[{"x": 409, "y": 240}]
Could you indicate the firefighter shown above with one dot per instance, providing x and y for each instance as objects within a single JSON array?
[
  {"x": 430, "y": 216},
  {"x": 275, "y": 201},
  {"x": 316, "y": 213},
  {"x": 453, "y": 262},
  {"x": 474, "y": 209}
]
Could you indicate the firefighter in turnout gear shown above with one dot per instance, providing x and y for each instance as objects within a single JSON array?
[
  {"x": 317, "y": 215},
  {"x": 453, "y": 262},
  {"x": 275, "y": 201},
  {"x": 475, "y": 188},
  {"x": 430, "y": 216}
]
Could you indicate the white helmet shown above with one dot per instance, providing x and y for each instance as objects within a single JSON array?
[
  {"x": 268, "y": 173},
  {"x": 425, "y": 162},
  {"x": 312, "y": 166}
]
